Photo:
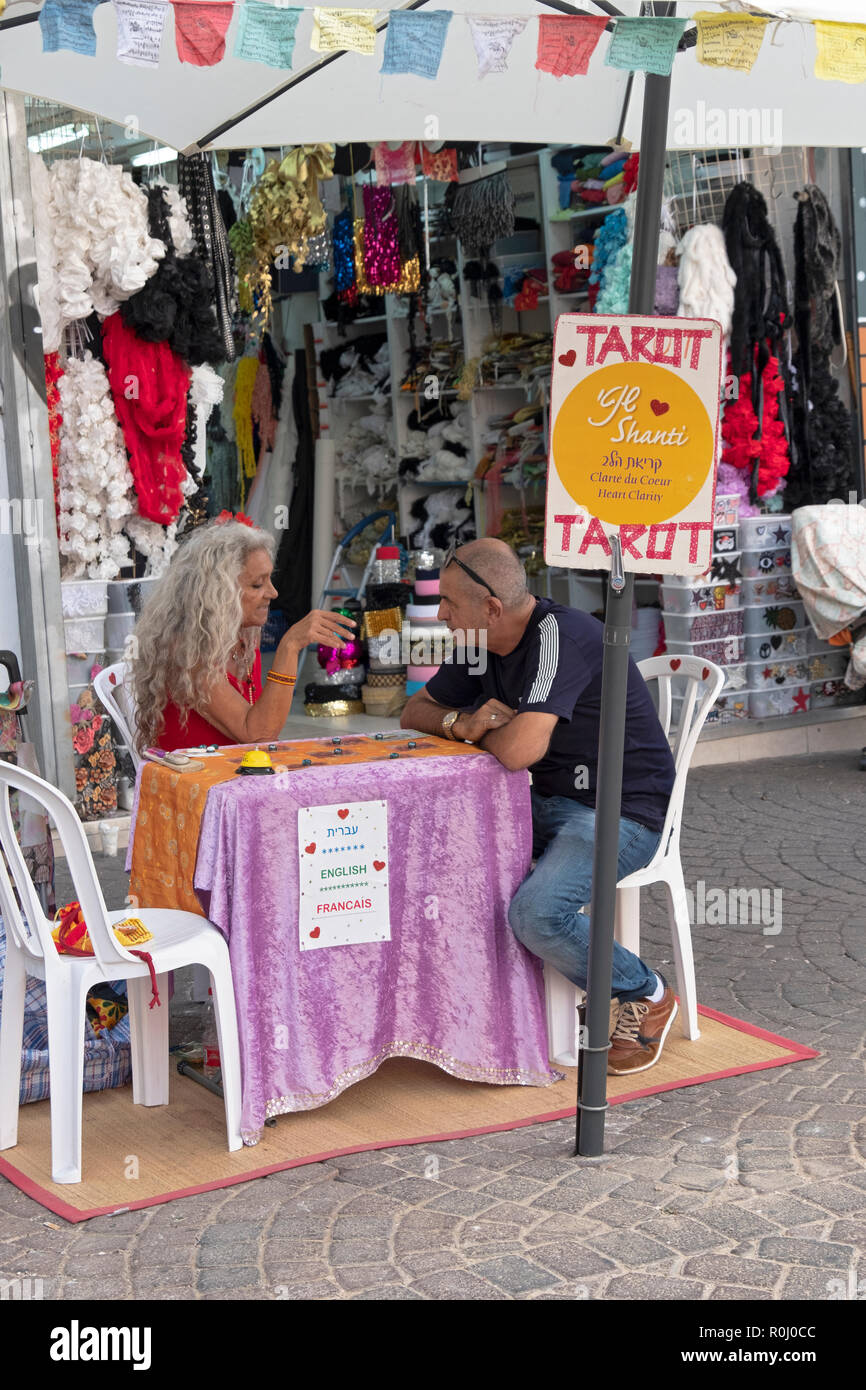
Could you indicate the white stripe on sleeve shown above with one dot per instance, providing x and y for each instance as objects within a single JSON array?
[{"x": 548, "y": 660}]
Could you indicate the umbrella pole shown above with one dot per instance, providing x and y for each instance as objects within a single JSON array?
[{"x": 592, "y": 1074}]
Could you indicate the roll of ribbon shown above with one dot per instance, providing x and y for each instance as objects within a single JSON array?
[
  {"x": 319, "y": 693},
  {"x": 385, "y": 680},
  {"x": 423, "y": 674},
  {"x": 424, "y": 587},
  {"x": 426, "y": 574},
  {"x": 425, "y": 600}
]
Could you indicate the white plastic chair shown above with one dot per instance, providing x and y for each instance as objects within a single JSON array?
[
  {"x": 180, "y": 938},
  {"x": 562, "y": 997},
  {"x": 112, "y": 686}
]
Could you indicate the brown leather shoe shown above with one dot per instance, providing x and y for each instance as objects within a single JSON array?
[{"x": 640, "y": 1033}]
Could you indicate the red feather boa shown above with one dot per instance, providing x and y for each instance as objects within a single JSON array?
[
  {"x": 740, "y": 425},
  {"x": 149, "y": 384}
]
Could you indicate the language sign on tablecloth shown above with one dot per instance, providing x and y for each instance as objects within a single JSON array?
[
  {"x": 634, "y": 416},
  {"x": 343, "y": 856}
]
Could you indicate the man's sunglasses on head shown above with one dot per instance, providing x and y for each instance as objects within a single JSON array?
[{"x": 452, "y": 558}]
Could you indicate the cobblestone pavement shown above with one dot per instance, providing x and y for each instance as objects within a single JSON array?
[{"x": 751, "y": 1187}]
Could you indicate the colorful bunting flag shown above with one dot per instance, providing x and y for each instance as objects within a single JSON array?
[
  {"x": 566, "y": 43},
  {"x": 68, "y": 24},
  {"x": 493, "y": 36},
  {"x": 841, "y": 51},
  {"x": 729, "y": 40},
  {"x": 414, "y": 42},
  {"x": 645, "y": 45},
  {"x": 200, "y": 28},
  {"x": 336, "y": 30},
  {"x": 139, "y": 31},
  {"x": 266, "y": 34}
]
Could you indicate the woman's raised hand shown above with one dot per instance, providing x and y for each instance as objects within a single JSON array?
[{"x": 322, "y": 626}]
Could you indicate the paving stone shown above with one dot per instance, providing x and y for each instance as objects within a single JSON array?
[
  {"x": 695, "y": 1177},
  {"x": 630, "y": 1248},
  {"x": 850, "y": 1233},
  {"x": 679, "y": 1233},
  {"x": 627, "y": 1214},
  {"x": 737, "y": 1294},
  {"x": 360, "y": 1251},
  {"x": 729, "y": 1269},
  {"x": 457, "y": 1284},
  {"x": 811, "y": 1284},
  {"x": 240, "y": 1277},
  {"x": 393, "y": 1293},
  {"x": 735, "y": 1222},
  {"x": 807, "y": 1252},
  {"x": 369, "y": 1175},
  {"x": 231, "y": 1232},
  {"x": 312, "y": 1293},
  {"x": 365, "y": 1276},
  {"x": 462, "y": 1203},
  {"x": 571, "y": 1260},
  {"x": 788, "y": 1209},
  {"x": 372, "y": 1204},
  {"x": 279, "y": 1251},
  {"x": 312, "y": 1225},
  {"x": 427, "y": 1262},
  {"x": 163, "y": 1277},
  {"x": 838, "y": 1198},
  {"x": 652, "y": 1287},
  {"x": 514, "y": 1274},
  {"x": 218, "y": 1256}
]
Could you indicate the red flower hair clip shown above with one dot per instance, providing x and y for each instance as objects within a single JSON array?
[{"x": 230, "y": 516}]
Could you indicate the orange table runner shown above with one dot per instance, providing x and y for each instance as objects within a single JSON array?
[{"x": 171, "y": 804}]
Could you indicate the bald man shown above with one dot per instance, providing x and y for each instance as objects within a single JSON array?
[{"x": 537, "y": 705}]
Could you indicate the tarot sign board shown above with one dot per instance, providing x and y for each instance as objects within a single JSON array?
[{"x": 634, "y": 424}]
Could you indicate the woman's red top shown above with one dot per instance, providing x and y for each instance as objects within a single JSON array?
[{"x": 197, "y": 729}]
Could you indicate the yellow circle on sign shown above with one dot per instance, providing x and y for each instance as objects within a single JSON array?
[{"x": 633, "y": 442}]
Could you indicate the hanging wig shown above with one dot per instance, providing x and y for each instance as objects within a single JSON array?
[
  {"x": 481, "y": 212},
  {"x": 176, "y": 304},
  {"x": 823, "y": 426},
  {"x": 760, "y": 314}
]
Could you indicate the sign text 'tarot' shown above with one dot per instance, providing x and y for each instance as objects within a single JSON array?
[{"x": 634, "y": 418}]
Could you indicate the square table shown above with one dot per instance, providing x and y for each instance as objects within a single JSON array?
[{"x": 452, "y": 986}]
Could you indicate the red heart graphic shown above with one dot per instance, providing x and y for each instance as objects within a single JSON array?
[
  {"x": 675, "y": 663},
  {"x": 342, "y": 814},
  {"x": 659, "y": 407},
  {"x": 705, "y": 673},
  {"x": 315, "y": 931},
  {"x": 311, "y": 848},
  {"x": 378, "y": 864},
  {"x": 112, "y": 679},
  {"x": 569, "y": 358}
]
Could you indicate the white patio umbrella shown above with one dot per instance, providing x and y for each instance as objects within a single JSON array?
[{"x": 242, "y": 105}]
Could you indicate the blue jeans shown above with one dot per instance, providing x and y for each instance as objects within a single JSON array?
[{"x": 545, "y": 911}]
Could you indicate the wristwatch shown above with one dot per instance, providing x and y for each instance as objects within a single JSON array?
[{"x": 448, "y": 722}]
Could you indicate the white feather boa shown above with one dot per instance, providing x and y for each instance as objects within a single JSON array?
[
  {"x": 705, "y": 277},
  {"x": 95, "y": 484}
]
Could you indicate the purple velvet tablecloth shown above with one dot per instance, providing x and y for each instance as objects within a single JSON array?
[{"x": 453, "y": 986}]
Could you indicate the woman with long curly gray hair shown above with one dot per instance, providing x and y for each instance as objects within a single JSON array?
[{"x": 197, "y": 666}]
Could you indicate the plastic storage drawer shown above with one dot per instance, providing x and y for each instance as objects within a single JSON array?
[
  {"x": 722, "y": 651},
  {"x": 762, "y": 532},
  {"x": 773, "y": 618},
  {"x": 726, "y": 509},
  {"x": 764, "y": 675},
  {"x": 703, "y": 627},
  {"x": 779, "y": 700},
  {"x": 699, "y": 598},
  {"x": 769, "y": 589},
  {"x": 773, "y": 560},
  {"x": 84, "y": 634},
  {"x": 779, "y": 646},
  {"x": 828, "y": 666},
  {"x": 84, "y": 598}
]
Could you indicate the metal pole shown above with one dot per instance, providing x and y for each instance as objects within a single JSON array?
[{"x": 592, "y": 1076}]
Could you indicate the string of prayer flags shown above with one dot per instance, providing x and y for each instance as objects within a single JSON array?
[
  {"x": 200, "y": 28},
  {"x": 414, "y": 42},
  {"x": 68, "y": 24},
  {"x": 493, "y": 36},
  {"x": 645, "y": 45},
  {"x": 729, "y": 40},
  {"x": 139, "y": 31},
  {"x": 266, "y": 34},
  {"x": 841, "y": 51},
  {"x": 566, "y": 43},
  {"x": 339, "y": 30}
]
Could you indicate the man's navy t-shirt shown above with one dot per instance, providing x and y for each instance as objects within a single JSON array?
[{"x": 556, "y": 669}]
